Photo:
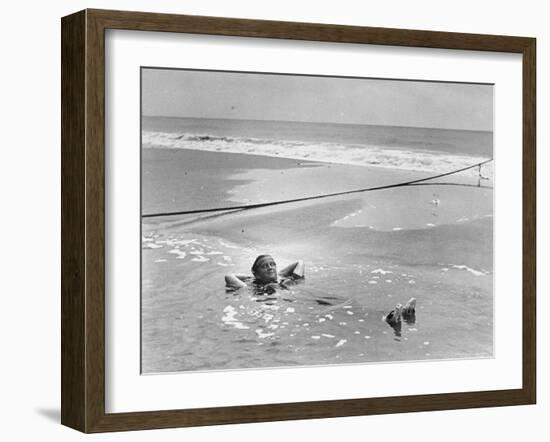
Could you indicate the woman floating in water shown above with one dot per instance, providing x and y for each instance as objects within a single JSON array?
[{"x": 266, "y": 277}]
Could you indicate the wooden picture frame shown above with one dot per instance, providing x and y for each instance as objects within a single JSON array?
[{"x": 83, "y": 220}]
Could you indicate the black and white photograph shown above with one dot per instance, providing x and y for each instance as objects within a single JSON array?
[
  {"x": 263, "y": 221},
  {"x": 300, "y": 220}
]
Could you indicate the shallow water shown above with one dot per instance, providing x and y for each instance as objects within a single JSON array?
[
  {"x": 191, "y": 322},
  {"x": 364, "y": 254}
]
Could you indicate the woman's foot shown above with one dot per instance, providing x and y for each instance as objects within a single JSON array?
[
  {"x": 409, "y": 311},
  {"x": 394, "y": 316}
]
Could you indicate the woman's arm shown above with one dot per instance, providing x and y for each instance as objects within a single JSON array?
[
  {"x": 296, "y": 269},
  {"x": 235, "y": 281}
]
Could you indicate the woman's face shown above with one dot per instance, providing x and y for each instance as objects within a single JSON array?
[{"x": 266, "y": 270}]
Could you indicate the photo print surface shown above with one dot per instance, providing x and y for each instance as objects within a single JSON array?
[{"x": 293, "y": 220}]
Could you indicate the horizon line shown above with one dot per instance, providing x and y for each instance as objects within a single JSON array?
[{"x": 319, "y": 122}]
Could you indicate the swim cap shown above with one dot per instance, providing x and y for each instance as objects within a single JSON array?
[{"x": 257, "y": 262}]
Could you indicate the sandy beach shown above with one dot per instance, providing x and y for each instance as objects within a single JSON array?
[{"x": 364, "y": 253}]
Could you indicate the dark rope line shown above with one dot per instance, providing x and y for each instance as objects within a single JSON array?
[
  {"x": 309, "y": 198},
  {"x": 453, "y": 184},
  {"x": 231, "y": 212},
  {"x": 186, "y": 222}
]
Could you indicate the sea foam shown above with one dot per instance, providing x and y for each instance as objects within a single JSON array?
[{"x": 353, "y": 154}]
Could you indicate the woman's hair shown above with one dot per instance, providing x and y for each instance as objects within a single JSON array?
[{"x": 257, "y": 261}]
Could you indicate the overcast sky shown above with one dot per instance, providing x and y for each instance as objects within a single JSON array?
[{"x": 203, "y": 94}]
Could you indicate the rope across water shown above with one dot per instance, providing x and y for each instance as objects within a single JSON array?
[{"x": 309, "y": 198}]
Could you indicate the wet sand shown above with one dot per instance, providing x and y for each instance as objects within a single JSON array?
[{"x": 191, "y": 179}]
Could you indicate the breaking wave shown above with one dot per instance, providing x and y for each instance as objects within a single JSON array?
[{"x": 406, "y": 158}]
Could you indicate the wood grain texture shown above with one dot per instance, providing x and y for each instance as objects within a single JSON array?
[
  {"x": 73, "y": 257},
  {"x": 306, "y": 31},
  {"x": 529, "y": 221},
  {"x": 95, "y": 221},
  {"x": 83, "y": 220},
  {"x": 307, "y": 410}
]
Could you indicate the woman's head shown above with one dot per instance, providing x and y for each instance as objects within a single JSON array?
[{"x": 265, "y": 269}]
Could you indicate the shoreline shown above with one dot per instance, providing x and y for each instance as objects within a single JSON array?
[
  {"x": 248, "y": 179},
  {"x": 447, "y": 140},
  {"x": 170, "y": 173}
]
